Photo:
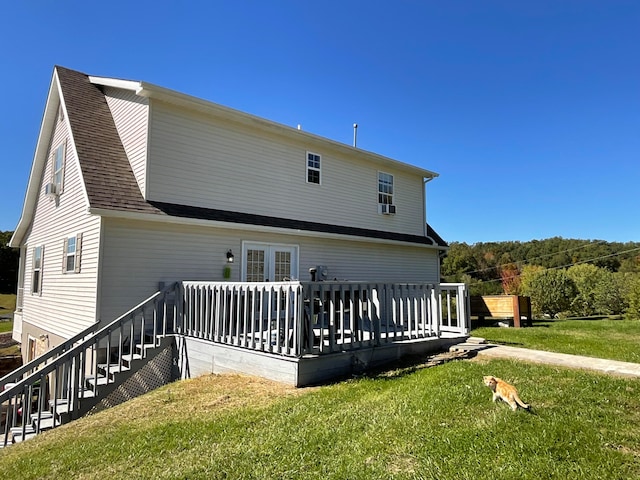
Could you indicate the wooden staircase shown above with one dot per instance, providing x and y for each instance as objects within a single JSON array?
[{"x": 92, "y": 371}]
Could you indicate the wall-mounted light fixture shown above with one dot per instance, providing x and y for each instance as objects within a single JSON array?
[{"x": 229, "y": 256}]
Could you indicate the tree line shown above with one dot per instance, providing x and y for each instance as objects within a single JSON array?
[
  {"x": 9, "y": 258},
  {"x": 562, "y": 276}
]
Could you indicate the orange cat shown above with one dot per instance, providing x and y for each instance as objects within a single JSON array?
[{"x": 503, "y": 391}]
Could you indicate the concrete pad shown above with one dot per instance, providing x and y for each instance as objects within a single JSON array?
[{"x": 551, "y": 358}]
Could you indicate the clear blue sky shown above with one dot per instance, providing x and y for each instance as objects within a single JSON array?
[{"x": 530, "y": 111}]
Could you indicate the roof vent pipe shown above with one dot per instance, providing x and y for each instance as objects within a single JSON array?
[{"x": 355, "y": 135}]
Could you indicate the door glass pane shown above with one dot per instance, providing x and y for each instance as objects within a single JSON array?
[
  {"x": 282, "y": 266},
  {"x": 255, "y": 265}
]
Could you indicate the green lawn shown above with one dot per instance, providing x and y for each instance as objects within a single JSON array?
[
  {"x": 434, "y": 423},
  {"x": 7, "y": 302},
  {"x": 7, "y": 305},
  {"x": 612, "y": 339}
]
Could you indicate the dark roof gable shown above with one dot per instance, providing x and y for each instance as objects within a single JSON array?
[{"x": 106, "y": 170}]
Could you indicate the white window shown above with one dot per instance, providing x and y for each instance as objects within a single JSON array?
[
  {"x": 269, "y": 262},
  {"x": 313, "y": 167},
  {"x": 385, "y": 188},
  {"x": 36, "y": 277},
  {"x": 71, "y": 254},
  {"x": 58, "y": 168}
]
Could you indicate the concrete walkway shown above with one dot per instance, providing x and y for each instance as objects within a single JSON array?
[{"x": 475, "y": 345}]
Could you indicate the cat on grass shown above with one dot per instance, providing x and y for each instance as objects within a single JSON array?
[{"x": 504, "y": 391}]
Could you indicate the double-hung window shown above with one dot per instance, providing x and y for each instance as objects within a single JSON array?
[
  {"x": 313, "y": 167},
  {"x": 385, "y": 188},
  {"x": 71, "y": 254},
  {"x": 36, "y": 271},
  {"x": 58, "y": 168}
]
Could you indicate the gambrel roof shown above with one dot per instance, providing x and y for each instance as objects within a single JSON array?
[{"x": 108, "y": 179}]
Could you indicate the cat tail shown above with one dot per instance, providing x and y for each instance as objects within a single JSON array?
[{"x": 521, "y": 403}]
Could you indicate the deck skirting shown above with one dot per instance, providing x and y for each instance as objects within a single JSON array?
[{"x": 199, "y": 357}]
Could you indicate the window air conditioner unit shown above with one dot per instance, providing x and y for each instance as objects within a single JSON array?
[
  {"x": 50, "y": 189},
  {"x": 386, "y": 209}
]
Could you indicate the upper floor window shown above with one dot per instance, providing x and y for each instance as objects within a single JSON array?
[
  {"x": 58, "y": 168},
  {"x": 385, "y": 188},
  {"x": 71, "y": 254},
  {"x": 313, "y": 167},
  {"x": 36, "y": 277}
]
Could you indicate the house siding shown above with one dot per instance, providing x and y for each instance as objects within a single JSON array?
[
  {"x": 130, "y": 114},
  {"x": 138, "y": 256},
  {"x": 67, "y": 302},
  {"x": 201, "y": 160}
]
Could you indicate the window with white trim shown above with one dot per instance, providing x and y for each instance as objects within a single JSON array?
[
  {"x": 71, "y": 254},
  {"x": 58, "y": 167},
  {"x": 36, "y": 271},
  {"x": 385, "y": 188},
  {"x": 313, "y": 167}
]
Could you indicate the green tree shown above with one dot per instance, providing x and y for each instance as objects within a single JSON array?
[
  {"x": 9, "y": 258},
  {"x": 527, "y": 272},
  {"x": 610, "y": 293},
  {"x": 585, "y": 277},
  {"x": 551, "y": 292},
  {"x": 633, "y": 297},
  {"x": 459, "y": 261}
]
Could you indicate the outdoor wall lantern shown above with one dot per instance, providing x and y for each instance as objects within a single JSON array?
[{"x": 229, "y": 256}]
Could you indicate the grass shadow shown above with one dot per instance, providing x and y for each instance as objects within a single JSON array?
[{"x": 411, "y": 364}]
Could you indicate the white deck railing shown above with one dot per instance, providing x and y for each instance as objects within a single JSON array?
[
  {"x": 257, "y": 316},
  {"x": 287, "y": 318},
  {"x": 454, "y": 308},
  {"x": 294, "y": 318}
]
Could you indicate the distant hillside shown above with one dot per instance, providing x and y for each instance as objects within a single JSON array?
[{"x": 484, "y": 261}]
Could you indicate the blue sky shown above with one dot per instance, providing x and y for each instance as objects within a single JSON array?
[{"x": 530, "y": 111}]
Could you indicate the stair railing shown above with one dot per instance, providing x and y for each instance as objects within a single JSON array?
[
  {"x": 71, "y": 373},
  {"x": 45, "y": 358}
]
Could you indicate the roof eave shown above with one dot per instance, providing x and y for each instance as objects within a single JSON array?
[
  {"x": 155, "y": 217},
  {"x": 39, "y": 161},
  {"x": 152, "y": 91}
]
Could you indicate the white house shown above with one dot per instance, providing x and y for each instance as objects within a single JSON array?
[{"x": 134, "y": 186}]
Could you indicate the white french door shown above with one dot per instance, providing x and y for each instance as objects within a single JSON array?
[{"x": 266, "y": 262}]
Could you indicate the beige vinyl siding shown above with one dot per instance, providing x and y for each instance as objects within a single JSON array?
[
  {"x": 196, "y": 159},
  {"x": 137, "y": 256},
  {"x": 67, "y": 301},
  {"x": 130, "y": 114}
]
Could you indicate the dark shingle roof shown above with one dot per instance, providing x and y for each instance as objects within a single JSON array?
[
  {"x": 106, "y": 170},
  {"x": 111, "y": 185},
  {"x": 187, "y": 211}
]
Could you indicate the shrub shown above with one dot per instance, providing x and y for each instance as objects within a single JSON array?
[{"x": 551, "y": 292}]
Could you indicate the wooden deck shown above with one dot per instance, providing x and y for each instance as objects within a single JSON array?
[
  {"x": 308, "y": 333},
  {"x": 292, "y": 332}
]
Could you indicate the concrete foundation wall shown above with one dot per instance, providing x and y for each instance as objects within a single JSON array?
[{"x": 199, "y": 357}]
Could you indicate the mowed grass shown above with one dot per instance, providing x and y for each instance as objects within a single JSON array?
[
  {"x": 611, "y": 339},
  {"x": 7, "y": 302},
  {"x": 7, "y": 305},
  {"x": 430, "y": 423}
]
